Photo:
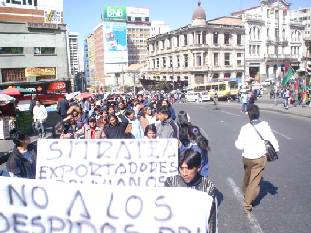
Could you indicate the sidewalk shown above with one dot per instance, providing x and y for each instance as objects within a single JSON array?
[{"x": 268, "y": 104}]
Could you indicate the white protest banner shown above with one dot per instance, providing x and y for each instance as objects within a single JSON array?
[
  {"x": 115, "y": 162},
  {"x": 39, "y": 206}
]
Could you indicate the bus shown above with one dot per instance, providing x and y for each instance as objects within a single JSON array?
[{"x": 223, "y": 89}]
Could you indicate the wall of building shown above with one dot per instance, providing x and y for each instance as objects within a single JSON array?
[{"x": 19, "y": 35}]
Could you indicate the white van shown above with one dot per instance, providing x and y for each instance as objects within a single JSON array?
[{"x": 192, "y": 97}]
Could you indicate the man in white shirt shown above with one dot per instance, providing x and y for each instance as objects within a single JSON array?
[
  {"x": 254, "y": 150},
  {"x": 39, "y": 117}
]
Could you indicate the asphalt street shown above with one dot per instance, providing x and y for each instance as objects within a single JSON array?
[{"x": 284, "y": 203}]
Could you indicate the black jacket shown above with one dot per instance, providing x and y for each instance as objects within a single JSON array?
[
  {"x": 22, "y": 167},
  {"x": 115, "y": 132}
]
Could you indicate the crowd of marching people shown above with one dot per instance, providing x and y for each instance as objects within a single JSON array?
[{"x": 121, "y": 117}]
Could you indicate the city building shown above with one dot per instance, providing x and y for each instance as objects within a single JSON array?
[
  {"x": 138, "y": 31},
  {"x": 272, "y": 40},
  {"x": 198, "y": 53},
  {"x": 303, "y": 16},
  {"x": 86, "y": 62},
  {"x": 89, "y": 64},
  {"x": 159, "y": 27},
  {"x": 73, "y": 38},
  {"x": 33, "y": 43},
  {"x": 99, "y": 55}
]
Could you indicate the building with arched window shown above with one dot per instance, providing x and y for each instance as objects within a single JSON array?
[
  {"x": 272, "y": 39},
  {"x": 198, "y": 53}
]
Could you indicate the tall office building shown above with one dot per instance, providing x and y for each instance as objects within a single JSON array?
[
  {"x": 74, "y": 52},
  {"x": 138, "y": 31},
  {"x": 159, "y": 27}
]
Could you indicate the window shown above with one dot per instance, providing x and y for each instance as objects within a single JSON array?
[
  {"x": 268, "y": 33},
  {"x": 268, "y": 13},
  {"x": 185, "y": 40},
  {"x": 239, "y": 59},
  {"x": 239, "y": 39},
  {"x": 284, "y": 14},
  {"x": 198, "y": 38},
  {"x": 171, "y": 61},
  {"x": 11, "y": 50},
  {"x": 177, "y": 41},
  {"x": 216, "y": 56},
  {"x": 227, "y": 76},
  {"x": 276, "y": 14},
  {"x": 227, "y": 39},
  {"x": 227, "y": 59},
  {"x": 164, "y": 62},
  {"x": 44, "y": 51},
  {"x": 204, "y": 38},
  {"x": 276, "y": 33},
  {"x": 138, "y": 19},
  {"x": 178, "y": 61},
  {"x": 216, "y": 76},
  {"x": 186, "y": 60},
  {"x": 158, "y": 62},
  {"x": 215, "y": 38},
  {"x": 199, "y": 60}
]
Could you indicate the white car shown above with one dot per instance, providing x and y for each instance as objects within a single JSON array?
[
  {"x": 205, "y": 96},
  {"x": 192, "y": 97}
]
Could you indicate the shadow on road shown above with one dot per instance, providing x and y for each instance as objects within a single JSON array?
[
  {"x": 219, "y": 197},
  {"x": 265, "y": 188}
]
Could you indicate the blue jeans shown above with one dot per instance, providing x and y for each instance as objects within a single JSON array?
[{"x": 40, "y": 129}]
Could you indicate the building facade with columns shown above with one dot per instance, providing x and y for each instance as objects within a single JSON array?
[
  {"x": 198, "y": 53},
  {"x": 272, "y": 39}
]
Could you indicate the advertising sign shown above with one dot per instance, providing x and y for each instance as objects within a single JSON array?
[
  {"x": 36, "y": 206},
  {"x": 137, "y": 12},
  {"x": 53, "y": 16},
  {"x": 115, "y": 42},
  {"x": 115, "y": 162},
  {"x": 115, "y": 13},
  {"x": 37, "y": 71},
  {"x": 57, "y": 5}
]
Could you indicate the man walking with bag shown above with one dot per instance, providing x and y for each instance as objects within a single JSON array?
[{"x": 254, "y": 154}]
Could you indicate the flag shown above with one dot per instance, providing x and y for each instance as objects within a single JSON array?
[{"x": 288, "y": 76}]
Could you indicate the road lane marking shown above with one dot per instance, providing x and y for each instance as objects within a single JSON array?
[
  {"x": 282, "y": 135},
  {"x": 254, "y": 225},
  {"x": 229, "y": 113}
]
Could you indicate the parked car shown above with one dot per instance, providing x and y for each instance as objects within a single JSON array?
[{"x": 193, "y": 97}]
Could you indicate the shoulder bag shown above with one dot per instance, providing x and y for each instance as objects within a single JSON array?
[{"x": 271, "y": 154}]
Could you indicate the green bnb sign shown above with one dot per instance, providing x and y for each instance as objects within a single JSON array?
[{"x": 115, "y": 13}]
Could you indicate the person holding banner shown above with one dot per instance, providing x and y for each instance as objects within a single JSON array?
[
  {"x": 22, "y": 162},
  {"x": 189, "y": 176}
]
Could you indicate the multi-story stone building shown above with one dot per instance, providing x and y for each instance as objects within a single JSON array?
[
  {"x": 304, "y": 16},
  {"x": 198, "y": 53},
  {"x": 272, "y": 39}
]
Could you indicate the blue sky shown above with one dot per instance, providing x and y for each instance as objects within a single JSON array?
[{"x": 83, "y": 15}]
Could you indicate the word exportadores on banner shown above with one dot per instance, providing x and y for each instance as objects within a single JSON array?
[
  {"x": 114, "y": 162},
  {"x": 40, "y": 206}
]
